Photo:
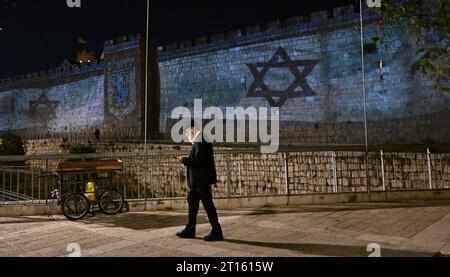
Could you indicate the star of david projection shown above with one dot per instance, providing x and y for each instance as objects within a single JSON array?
[
  {"x": 298, "y": 88},
  {"x": 36, "y": 110}
]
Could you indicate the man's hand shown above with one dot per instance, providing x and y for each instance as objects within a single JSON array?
[{"x": 180, "y": 159}]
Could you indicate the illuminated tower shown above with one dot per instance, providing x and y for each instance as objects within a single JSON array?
[{"x": 84, "y": 55}]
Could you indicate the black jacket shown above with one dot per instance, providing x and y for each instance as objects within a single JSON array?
[{"x": 201, "y": 169}]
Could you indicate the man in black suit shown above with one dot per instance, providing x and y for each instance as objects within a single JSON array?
[{"x": 201, "y": 174}]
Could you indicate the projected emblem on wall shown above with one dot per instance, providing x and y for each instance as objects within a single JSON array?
[
  {"x": 43, "y": 109},
  {"x": 71, "y": 106},
  {"x": 277, "y": 97},
  {"x": 121, "y": 87}
]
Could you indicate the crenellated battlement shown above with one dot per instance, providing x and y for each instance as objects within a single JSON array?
[
  {"x": 122, "y": 43},
  {"x": 309, "y": 67},
  {"x": 315, "y": 22},
  {"x": 121, "y": 40},
  {"x": 69, "y": 70},
  {"x": 51, "y": 74}
]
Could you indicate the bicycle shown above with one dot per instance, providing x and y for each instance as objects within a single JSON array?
[{"x": 76, "y": 204}]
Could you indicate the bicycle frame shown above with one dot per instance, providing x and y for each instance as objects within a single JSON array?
[{"x": 72, "y": 177}]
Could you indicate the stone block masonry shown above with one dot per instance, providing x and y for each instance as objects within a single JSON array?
[
  {"x": 311, "y": 70},
  {"x": 106, "y": 95},
  {"x": 255, "y": 174},
  {"x": 308, "y": 67}
]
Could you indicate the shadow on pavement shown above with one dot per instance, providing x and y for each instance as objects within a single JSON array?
[
  {"x": 19, "y": 220},
  {"x": 141, "y": 221},
  {"x": 331, "y": 250},
  {"x": 345, "y": 207}
]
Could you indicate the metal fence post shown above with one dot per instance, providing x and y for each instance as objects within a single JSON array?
[
  {"x": 429, "y": 168},
  {"x": 4, "y": 182},
  {"x": 46, "y": 191},
  {"x": 228, "y": 181},
  {"x": 366, "y": 166},
  {"x": 286, "y": 173},
  {"x": 10, "y": 179},
  {"x": 150, "y": 179},
  {"x": 133, "y": 175},
  {"x": 145, "y": 175},
  {"x": 25, "y": 182},
  {"x": 39, "y": 189},
  {"x": 240, "y": 178},
  {"x": 139, "y": 182},
  {"x": 17, "y": 183},
  {"x": 126, "y": 180},
  {"x": 172, "y": 192},
  {"x": 334, "y": 166},
  {"x": 382, "y": 169},
  {"x": 32, "y": 184}
]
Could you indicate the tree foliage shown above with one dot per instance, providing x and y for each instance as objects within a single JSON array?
[
  {"x": 11, "y": 145},
  {"x": 428, "y": 21}
]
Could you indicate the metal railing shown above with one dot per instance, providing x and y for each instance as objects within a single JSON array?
[{"x": 241, "y": 174}]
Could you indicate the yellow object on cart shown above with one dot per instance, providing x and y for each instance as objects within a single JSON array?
[{"x": 90, "y": 191}]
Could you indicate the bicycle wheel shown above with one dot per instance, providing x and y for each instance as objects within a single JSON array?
[
  {"x": 75, "y": 206},
  {"x": 111, "y": 202}
]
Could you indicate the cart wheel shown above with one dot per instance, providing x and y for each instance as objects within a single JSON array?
[
  {"x": 111, "y": 202},
  {"x": 75, "y": 206}
]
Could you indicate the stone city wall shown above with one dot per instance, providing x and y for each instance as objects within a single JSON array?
[
  {"x": 310, "y": 68},
  {"x": 105, "y": 95}
]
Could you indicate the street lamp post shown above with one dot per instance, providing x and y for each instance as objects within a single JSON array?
[
  {"x": 147, "y": 36},
  {"x": 366, "y": 137}
]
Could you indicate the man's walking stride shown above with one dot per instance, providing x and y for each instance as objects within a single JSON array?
[{"x": 201, "y": 174}]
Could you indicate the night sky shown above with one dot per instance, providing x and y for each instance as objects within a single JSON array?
[{"x": 40, "y": 34}]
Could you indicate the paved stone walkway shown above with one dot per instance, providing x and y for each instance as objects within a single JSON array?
[{"x": 400, "y": 229}]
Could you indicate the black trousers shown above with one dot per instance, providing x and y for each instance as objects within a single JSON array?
[{"x": 205, "y": 195}]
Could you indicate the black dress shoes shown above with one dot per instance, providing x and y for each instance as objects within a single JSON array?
[
  {"x": 214, "y": 236},
  {"x": 186, "y": 234}
]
